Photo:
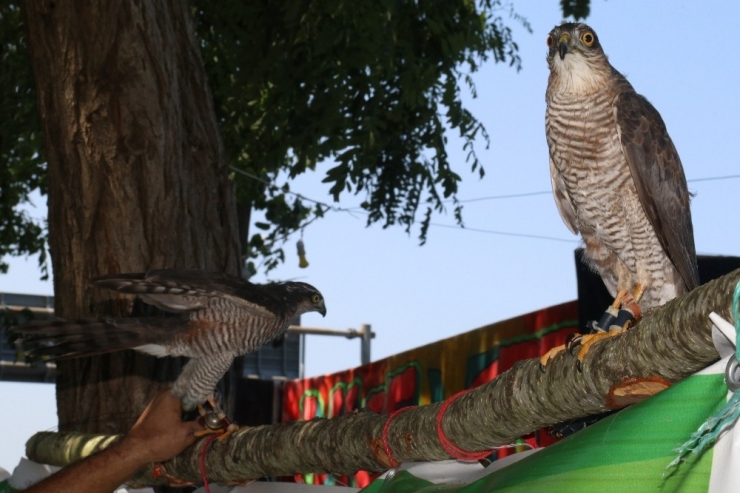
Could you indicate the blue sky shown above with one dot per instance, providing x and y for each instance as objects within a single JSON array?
[{"x": 681, "y": 55}]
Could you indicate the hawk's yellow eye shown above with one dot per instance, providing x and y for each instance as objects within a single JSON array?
[
  {"x": 316, "y": 298},
  {"x": 588, "y": 38},
  {"x": 550, "y": 41}
]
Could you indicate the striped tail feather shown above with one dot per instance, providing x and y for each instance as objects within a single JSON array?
[{"x": 64, "y": 339}]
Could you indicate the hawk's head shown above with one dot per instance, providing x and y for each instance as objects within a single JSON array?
[
  {"x": 305, "y": 297},
  {"x": 575, "y": 57}
]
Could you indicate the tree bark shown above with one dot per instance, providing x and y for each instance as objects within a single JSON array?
[
  {"x": 137, "y": 176},
  {"x": 669, "y": 344}
]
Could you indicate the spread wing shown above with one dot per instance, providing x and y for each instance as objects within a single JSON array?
[
  {"x": 181, "y": 290},
  {"x": 659, "y": 178}
]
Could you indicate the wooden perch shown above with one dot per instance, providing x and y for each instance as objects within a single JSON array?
[{"x": 669, "y": 344}]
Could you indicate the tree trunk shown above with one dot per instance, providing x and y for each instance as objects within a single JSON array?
[{"x": 137, "y": 177}]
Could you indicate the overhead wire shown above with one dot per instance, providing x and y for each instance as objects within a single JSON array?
[
  {"x": 714, "y": 178},
  {"x": 508, "y": 196},
  {"x": 355, "y": 210},
  {"x": 504, "y": 233},
  {"x": 549, "y": 192}
]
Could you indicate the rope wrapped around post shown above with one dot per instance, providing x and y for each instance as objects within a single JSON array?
[{"x": 669, "y": 344}]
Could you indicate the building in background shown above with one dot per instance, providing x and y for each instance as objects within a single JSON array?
[{"x": 17, "y": 309}]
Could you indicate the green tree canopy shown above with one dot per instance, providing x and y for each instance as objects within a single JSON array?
[
  {"x": 22, "y": 163},
  {"x": 373, "y": 86}
]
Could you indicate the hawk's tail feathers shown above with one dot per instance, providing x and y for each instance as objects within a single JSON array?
[{"x": 62, "y": 339}]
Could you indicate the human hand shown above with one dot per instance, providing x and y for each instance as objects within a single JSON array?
[{"x": 160, "y": 434}]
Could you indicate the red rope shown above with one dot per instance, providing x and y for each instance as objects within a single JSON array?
[
  {"x": 159, "y": 470},
  {"x": 452, "y": 449},
  {"x": 202, "y": 462},
  {"x": 393, "y": 462}
]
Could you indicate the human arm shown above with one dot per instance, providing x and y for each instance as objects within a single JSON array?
[{"x": 158, "y": 435}]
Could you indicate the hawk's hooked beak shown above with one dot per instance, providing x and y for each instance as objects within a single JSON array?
[
  {"x": 563, "y": 44},
  {"x": 322, "y": 310}
]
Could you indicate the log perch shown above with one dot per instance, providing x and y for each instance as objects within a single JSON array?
[{"x": 669, "y": 344}]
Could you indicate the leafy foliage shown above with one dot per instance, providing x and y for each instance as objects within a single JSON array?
[
  {"x": 22, "y": 165},
  {"x": 372, "y": 86},
  {"x": 578, "y": 9}
]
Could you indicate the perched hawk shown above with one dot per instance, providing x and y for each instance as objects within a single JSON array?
[
  {"x": 221, "y": 317},
  {"x": 616, "y": 177}
]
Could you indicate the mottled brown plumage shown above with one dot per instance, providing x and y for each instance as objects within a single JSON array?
[
  {"x": 616, "y": 175},
  {"x": 221, "y": 317}
]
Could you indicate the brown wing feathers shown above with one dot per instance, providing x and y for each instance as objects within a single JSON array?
[
  {"x": 658, "y": 176},
  {"x": 145, "y": 283},
  {"x": 186, "y": 289}
]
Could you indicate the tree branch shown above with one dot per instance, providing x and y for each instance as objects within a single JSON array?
[{"x": 671, "y": 343}]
